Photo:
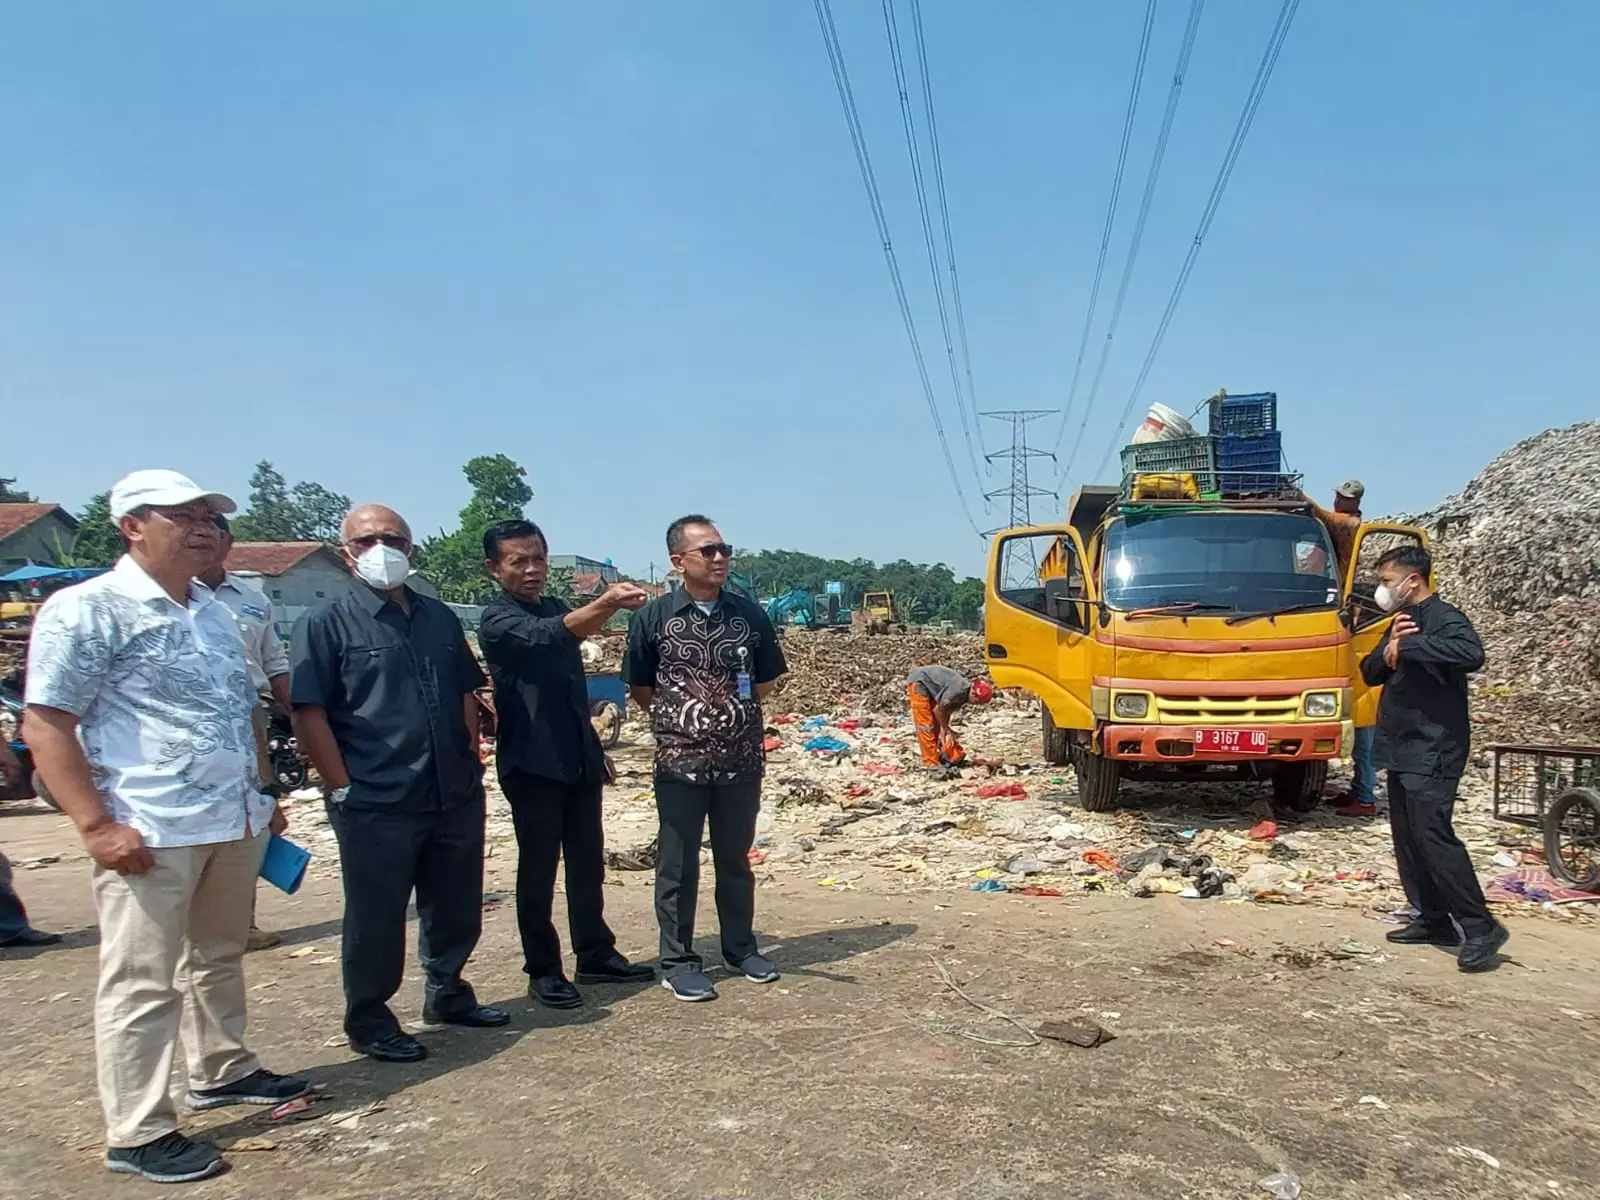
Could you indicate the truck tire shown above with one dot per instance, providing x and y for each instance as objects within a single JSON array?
[
  {"x": 1098, "y": 777},
  {"x": 1298, "y": 785},
  {"x": 1057, "y": 742},
  {"x": 1572, "y": 825}
]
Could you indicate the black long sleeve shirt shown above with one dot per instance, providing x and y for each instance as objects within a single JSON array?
[{"x": 1423, "y": 724}]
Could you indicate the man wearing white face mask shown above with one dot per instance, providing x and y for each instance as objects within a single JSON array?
[{"x": 382, "y": 683}]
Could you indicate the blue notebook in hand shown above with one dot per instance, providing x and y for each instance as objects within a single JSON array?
[{"x": 284, "y": 866}]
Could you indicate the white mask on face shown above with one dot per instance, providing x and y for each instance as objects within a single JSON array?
[
  {"x": 1388, "y": 599},
  {"x": 383, "y": 567}
]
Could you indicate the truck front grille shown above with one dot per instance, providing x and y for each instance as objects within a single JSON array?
[{"x": 1226, "y": 710}]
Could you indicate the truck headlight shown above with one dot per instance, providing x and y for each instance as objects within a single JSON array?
[
  {"x": 1322, "y": 704},
  {"x": 1131, "y": 706}
]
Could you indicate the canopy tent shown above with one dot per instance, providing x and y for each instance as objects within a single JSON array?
[{"x": 33, "y": 572}]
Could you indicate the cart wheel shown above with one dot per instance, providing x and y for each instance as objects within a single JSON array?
[
  {"x": 1572, "y": 839},
  {"x": 607, "y": 718}
]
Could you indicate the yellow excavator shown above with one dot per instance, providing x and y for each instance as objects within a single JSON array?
[{"x": 878, "y": 614}]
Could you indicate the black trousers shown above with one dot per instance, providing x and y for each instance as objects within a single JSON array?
[
  {"x": 557, "y": 820},
  {"x": 1434, "y": 867},
  {"x": 685, "y": 809},
  {"x": 384, "y": 857}
]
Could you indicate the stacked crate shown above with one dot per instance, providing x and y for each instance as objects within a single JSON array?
[{"x": 1249, "y": 446}]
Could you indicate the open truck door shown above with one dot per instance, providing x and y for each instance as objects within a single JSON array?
[
  {"x": 1368, "y": 622},
  {"x": 1037, "y": 613}
]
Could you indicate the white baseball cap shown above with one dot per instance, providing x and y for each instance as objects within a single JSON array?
[{"x": 162, "y": 488}]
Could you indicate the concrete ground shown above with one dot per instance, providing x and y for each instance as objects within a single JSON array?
[{"x": 1244, "y": 1043}]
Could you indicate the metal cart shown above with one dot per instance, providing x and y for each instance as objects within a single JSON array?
[
  {"x": 1558, "y": 789},
  {"x": 608, "y": 705}
]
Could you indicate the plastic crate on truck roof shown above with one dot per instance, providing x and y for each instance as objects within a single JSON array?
[{"x": 1244, "y": 416}]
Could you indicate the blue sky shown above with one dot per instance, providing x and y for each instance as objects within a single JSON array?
[{"x": 627, "y": 245}]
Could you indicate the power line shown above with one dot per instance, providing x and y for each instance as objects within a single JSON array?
[
  {"x": 919, "y": 181},
  {"x": 944, "y": 210},
  {"x": 1185, "y": 51},
  {"x": 1258, "y": 87},
  {"x": 841, "y": 79},
  {"x": 1111, "y": 211}
]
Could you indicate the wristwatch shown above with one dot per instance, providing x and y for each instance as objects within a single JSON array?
[{"x": 337, "y": 795}]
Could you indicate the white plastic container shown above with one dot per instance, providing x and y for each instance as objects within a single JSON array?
[{"x": 1162, "y": 424}]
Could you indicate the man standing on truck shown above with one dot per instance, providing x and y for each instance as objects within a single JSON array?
[
  {"x": 934, "y": 693},
  {"x": 1423, "y": 736}
]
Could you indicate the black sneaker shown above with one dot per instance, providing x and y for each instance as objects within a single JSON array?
[
  {"x": 261, "y": 1087},
  {"x": 690, "y": 986},
  {"x": 170, "y": 1159},
  {"x": 757, "y": 968},
  {"x": 1483, "y": 953}
]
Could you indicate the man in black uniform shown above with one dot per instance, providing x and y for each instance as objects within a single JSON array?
[
  {"x": 551, "y": 766},
  {"x": 1422, "y": 739},
  {"x": 382, "y": 682},
  {"x": 701, "y": 659}
]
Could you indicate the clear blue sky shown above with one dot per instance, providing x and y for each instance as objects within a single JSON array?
[{"x": 626, "y": 244}]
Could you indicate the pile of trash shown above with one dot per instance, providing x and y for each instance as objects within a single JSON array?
[
  {"x": 832, "y": 671},
  {"x": 1518, "y": 549}
]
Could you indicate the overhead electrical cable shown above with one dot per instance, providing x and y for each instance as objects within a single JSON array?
[
  {"x": 919, "y": 182},
  {"x": 841, "y": 79},
  {"x": 1269, "y": 60},
  {"x": 1185, "y": 52},
  {"x": 1111, "y": 212}
]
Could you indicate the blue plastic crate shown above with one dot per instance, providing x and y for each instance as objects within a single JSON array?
[
  {"x": 1196, "y": 456},
  {"x": 1250, "y": 465},
  {"x": 1244, "y": 416}
]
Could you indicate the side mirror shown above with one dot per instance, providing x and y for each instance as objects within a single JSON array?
[{"x": 1062, "y": 602}]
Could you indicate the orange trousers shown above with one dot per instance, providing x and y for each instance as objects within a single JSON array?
[{"x": 933, "y": 754}]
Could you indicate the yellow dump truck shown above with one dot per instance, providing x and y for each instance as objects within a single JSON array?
[
  {"x": 878, "y": 614},
  {"x": 1189, "y": 636}
]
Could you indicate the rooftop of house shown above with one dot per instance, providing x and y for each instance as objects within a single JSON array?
[
  {"x": 271, "y": 558},
  {"x": 17, "y": 517}
]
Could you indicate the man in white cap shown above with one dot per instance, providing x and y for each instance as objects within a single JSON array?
[
  {"x": 139, "y": 719},
  {"x": 1343, "y": 523}
]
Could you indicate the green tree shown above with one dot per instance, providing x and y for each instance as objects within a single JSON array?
[
  {"x": 317, "y": 513},
  {"x": 11, "y": 495},
  {"x": 271, "y": 517},
  {"x": 454, "y": 561},
  {"x": 97, "y": 542}
]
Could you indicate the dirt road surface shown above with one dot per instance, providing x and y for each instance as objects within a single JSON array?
[{"x": 1244, "y": 1043}]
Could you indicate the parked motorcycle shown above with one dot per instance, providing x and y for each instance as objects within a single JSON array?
[{"x": 289, "y": 768}]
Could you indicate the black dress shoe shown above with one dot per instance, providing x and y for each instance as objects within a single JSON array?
[
  {"x": 554, "y": 991},
  {"x": 615, "y": 969},
  {"x": 1420, "y": 933},
  {"x": 33, "y": 937},
  {"x": 396, "y": 1048},
  {"x": 479, "y": 1016},
  {"x": 1483, "y": 953}
]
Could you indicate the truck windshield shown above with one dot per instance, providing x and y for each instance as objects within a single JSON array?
[{"x": 1219, "y": 563}]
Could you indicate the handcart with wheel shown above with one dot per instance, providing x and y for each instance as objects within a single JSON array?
[
  {"x": 1556, "y": 788},
  {"x": 608, "y": 706}
]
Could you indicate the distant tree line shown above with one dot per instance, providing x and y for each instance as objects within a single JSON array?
[{"x": 923, "y": 593}]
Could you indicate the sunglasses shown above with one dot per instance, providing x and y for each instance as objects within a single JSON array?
[
  {"x": 392, "y": 540},
  {"x": 713, "y": 550}
]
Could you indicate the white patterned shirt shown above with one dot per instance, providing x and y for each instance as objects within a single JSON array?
[
  {"x": 252, "y": 613},
  {"x": 163, "y": 700}
]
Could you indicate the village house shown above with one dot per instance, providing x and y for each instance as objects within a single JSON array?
[
  {"x": 297, "y": 575},
  {"x": 36, "y": 533}
]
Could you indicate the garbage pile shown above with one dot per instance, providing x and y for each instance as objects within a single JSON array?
[
  {"x": 1519, "y": 550},
  {"x": 842, "y": 673}
]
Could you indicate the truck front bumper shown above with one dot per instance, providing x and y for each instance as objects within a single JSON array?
[{"x": 1299, "y": 742}]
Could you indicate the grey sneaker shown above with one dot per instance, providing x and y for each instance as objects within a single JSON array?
[
  {"x": 260, "y": 1087},
  {"x": 690, "y": 986},
  {"x": 757, "y": 968},
  {"x": 172, "y": 1158}
]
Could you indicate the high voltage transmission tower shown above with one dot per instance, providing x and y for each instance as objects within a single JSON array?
[{"x": 1020, "y": 491}]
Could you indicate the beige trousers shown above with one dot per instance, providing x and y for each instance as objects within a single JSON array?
[{"x": 171, "y": 964}]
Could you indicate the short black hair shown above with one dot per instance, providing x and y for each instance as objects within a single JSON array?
[
  {"x": 510, "y": 531},
  {"x": 675, "y": 530},
  {"x": 1410, "y": 558}
]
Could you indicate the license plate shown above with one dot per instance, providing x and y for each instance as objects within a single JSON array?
[{"x": 1231, "y": 741}]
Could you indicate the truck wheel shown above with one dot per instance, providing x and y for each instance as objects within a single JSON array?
[
  {"x": 607, "y": 720},
  {"x": 1098, "y": 777},
  {"x": 1298, "y": 786},
  {"x": 43, "y": 793},
  {"x": 1057, "y": 742},
  {"x": 1572, "y": 839}
]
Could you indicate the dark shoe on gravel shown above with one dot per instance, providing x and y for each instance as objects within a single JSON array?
[
  {"x": 615, "y": 969},
  {"x": 479, "y": 1016},
  {"x": 260, "y": 1087},
  {"x": 1483, "y": 953},
  {"x": 169, "y": 1159},
  {"x": 554, "y": 991},
  {"x": 395, "y": 1048},
  {"x": 757, "y": 968},
  {"x": 1420, "y": 933}
]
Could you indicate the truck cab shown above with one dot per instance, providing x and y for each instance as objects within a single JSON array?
[{"x": 1188, "y": 636}]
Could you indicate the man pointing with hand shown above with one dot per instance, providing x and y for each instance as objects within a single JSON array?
[{"x": 551, "y": 766}]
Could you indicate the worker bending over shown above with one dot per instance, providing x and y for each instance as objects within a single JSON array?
[{"x": 934, "y": 693}]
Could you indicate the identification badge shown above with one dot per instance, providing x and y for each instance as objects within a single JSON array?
[{"x": 745, "y": 692}]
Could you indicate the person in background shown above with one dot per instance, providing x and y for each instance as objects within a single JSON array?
[
  {"x": 14, "y": 927},
  {"x": 1343, "y": 522},
  {"x": 934, "y": 694},
  {"x": 139, "y": 719},
  {"x": 700, "y": 660},
  {"x": 552, "y": 769},
  {"x": 264, "y": 655},
  {"x": 382, "y": 682},
  {"x": 1423, "y": 739}
]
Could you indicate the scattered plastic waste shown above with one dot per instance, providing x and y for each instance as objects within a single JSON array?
[
  {"x": 991, "y": 791},
  {"x": 1285, "y": 1185},
  {"x": 1026, "y": 866},
  {"x": 291, "y": 1110},
  {"x": 813, "y": 723},
  {"x": 1103, "y": 860},
  {"x": 988, "y": 885},
  {"x": 772, "y": 743},
  {"x": 1264, "y": 831},
  {"x": 1035, "y": 890},
  {"x": 880, "y": 769},
  {"x": 756, "y": 857},
  {"x": 827, "y": 744}
]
